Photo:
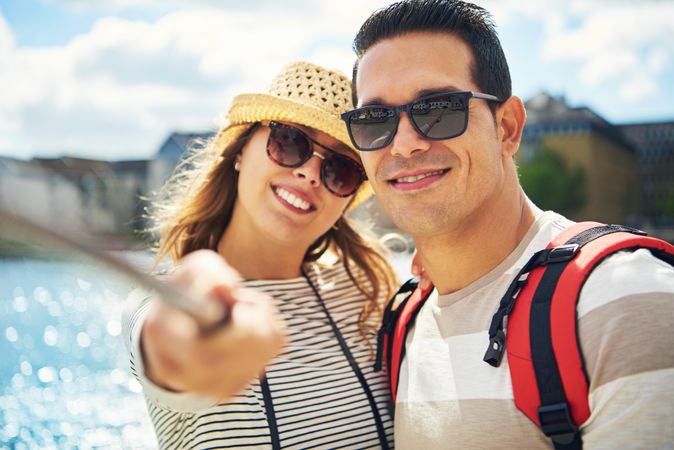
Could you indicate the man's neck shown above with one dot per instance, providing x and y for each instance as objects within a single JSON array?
[{"x": 460, "y": 256}]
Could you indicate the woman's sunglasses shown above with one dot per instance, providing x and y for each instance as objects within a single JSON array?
[
  {"x": 288, "y": 146},
  {"x": 436, "y": 117}
]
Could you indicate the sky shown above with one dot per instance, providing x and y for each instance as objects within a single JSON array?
[{"x": 112, "y": 79}]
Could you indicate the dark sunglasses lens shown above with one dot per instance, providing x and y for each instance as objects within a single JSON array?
[
  {"x": 341, "y": 175},
  {"x": 440, "y": 117},
  {"x": 288, "y": 147},
  {"x": 372, "y": 128}
]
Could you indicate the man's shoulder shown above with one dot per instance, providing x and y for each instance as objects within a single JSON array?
[
  {"x": 627, "y": 274},
  {"x": 625, "y": 312}
]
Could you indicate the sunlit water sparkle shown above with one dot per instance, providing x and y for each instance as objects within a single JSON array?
[{"x": 64, "y": 373}]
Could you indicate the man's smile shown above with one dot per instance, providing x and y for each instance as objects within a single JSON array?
[{"x": 416, "y": 180}]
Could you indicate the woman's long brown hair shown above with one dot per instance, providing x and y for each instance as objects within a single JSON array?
[{"x": 195, "y": 206}]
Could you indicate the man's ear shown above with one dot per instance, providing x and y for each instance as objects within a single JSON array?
[{"x": 510, "y": 118}]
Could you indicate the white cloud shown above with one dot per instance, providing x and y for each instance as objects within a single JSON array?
[
  {"x": 636, "y": 88},
  {"x": 338, "y": 58},
  {"x": 626, "y": 42},
  {"x": 621, "y": 41},
  {"x": 124, "y": 85},
  {"x": 126, "y": 5},
  {"x": 6, "y": 37},
  {"x": 658, "y": 59},
  {"x": 605, "y": 66},
  {"x": 120, "y": 88}
]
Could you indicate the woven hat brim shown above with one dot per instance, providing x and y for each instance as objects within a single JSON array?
[{"x": 251, "y": 108}]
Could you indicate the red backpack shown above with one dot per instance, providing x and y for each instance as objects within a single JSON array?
[{"x": 549, "y": 380}]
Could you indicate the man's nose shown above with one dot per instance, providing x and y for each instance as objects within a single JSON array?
[{"x": 407, "y": 140}]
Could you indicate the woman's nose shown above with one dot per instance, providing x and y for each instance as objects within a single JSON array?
[{"x": 311, "y": 169}]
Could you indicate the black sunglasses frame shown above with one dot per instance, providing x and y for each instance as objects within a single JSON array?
[
  {"x": 272, "y": 124},
  {"x": 393, "y": 112}
]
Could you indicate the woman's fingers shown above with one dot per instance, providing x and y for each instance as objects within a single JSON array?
[
  {"x": 206, "y": 275},
  {"x": 417, "y": 269},
  {"x": 221, "y": 362},
  {"x": 165, "y": 340},
  {"x": 424, "y": 281}
]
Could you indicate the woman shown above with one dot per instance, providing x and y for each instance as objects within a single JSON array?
[{"x": 268, "y": 194}]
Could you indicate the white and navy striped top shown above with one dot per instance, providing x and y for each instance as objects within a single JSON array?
[{"x": 313, "y": 394}]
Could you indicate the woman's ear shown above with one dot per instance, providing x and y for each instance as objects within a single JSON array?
[
  {"x": 510, "y": 117},
  {"x": 237, "y": 162}
]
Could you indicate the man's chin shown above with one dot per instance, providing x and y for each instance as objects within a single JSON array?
[{"x": 419, "y": 221}]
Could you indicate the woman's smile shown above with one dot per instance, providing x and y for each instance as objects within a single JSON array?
[{"x": 292, "y": 199}]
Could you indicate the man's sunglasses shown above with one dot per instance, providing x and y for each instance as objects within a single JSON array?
[
  {"x": 436, "y": 117},
  {"x": 288, "y": 146}
]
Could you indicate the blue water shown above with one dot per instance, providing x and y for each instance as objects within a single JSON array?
[{"x": 64, "y": 371}]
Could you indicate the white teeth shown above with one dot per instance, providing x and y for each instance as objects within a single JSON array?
[
  {"x": 414, "y": 178},
  {"x": 293, "y": 199}
]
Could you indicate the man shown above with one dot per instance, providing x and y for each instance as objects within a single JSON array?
[{"x": 449, "y": 180}]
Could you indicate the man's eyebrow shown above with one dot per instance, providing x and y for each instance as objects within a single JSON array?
[
  {"x": 440, "y": 90},
  {"x": 417, "y": 94}
]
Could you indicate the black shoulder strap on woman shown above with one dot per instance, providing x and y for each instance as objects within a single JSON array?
[{"x": 269, "y": 410}]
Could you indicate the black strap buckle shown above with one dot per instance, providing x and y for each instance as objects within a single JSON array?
[
  {"x": 496, "y": 350},
  {"x": 557, "y": 424},
  {"x": 562, "y": 253}
]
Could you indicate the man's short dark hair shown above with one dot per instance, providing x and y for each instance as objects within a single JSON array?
[{"x": 469, "y": 22}]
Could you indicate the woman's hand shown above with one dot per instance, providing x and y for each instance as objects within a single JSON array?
[
  {"x": 417, "y": 269},
  {"x": 221, "y": 363}
]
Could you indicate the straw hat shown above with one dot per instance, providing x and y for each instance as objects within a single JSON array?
[{"x": 304, "y": 94}]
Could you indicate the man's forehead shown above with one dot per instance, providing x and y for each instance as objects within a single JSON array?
[{"x": 399, "y": 69}]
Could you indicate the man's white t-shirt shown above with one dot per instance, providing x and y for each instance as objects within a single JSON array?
[{"x": 449, "y": 398}]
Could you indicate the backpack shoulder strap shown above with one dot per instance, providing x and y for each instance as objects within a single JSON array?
[
  {"x": 399, "y": 317},
  {"x": 549, "y": 380}
]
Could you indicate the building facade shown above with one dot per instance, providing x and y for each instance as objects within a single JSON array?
[
  {"x": 39, "y": 195},
  {"x": 169, "y": 155},
  {"x": 654, "y": 143},
  {"x": 102, "y": 198},
  {"x": 587, "y": 141}
]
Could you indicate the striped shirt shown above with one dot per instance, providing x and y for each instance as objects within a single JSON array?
[
  {"x": 449, "y": 398},
  {"x": 317, "y": 398}
]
